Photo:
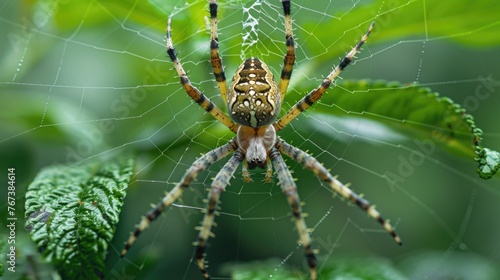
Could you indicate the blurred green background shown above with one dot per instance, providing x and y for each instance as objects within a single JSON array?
[{"x": 84, "y": 80}]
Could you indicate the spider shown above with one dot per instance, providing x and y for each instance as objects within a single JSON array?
[{"x": 253, "y": 102}]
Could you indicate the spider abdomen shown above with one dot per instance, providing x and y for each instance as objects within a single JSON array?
[{"x": 253, "y": 99}]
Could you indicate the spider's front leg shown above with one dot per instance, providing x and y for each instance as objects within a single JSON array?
[
  {"x": 289, "y": 188},
  {"x": 313, "y": 164},
  {"x": 218, "y": 185},
  {"x": 198, "y": 166}
]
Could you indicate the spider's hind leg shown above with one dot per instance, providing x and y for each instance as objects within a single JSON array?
[
  {"x": 289, "y": 58},
  {"x": 194, "y": 92},
  {"x": 317, "y": 93},
  {"x": 215, "y": 58}
]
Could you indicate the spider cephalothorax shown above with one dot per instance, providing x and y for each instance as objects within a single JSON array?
[
  {"x": 256, "y": 144},
  {"x": 253, "y": 102}
]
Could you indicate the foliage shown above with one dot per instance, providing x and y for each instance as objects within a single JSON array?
[
  {"x": 350, "y": 269},
  {"x": 417, "y": 111},
  {"x": 72, "y": 214},
  {"x": 418, "y": 266}
]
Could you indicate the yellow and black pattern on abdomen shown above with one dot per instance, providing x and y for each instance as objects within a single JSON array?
[{"x": 253, "y": 99}]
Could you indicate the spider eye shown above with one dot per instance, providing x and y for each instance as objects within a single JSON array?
[
  {"x": 253, "y": 99},
  {"x": 256, "y": 162}
]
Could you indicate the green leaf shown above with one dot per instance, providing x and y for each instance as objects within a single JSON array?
[
  {"x": 416, "y": 110},
  {"x": 361, "y": 269},
  {"x": 71, "y": 214},
  {"x": 352, "y": 269},
  {"x": 262, "y": 270},
  {"x": 488, "y": 162}
]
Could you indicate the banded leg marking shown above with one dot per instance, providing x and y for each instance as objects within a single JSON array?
[
  {"x": 313, "y": 164},
  {"x": 215, "y": 59},
  {"x": 317, "y": 93},
  {"x": 198, "y": 166},
  {"x": 192, "y": 91},
  {"x": 289, "y": 58},
  {"x": 218, "y": 185},
  {"x": 289, "y": 188}
]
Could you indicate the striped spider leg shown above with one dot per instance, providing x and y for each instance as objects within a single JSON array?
[
  {"x": 311, "y": 163},
  {"x": 215, "y": 59},
  {"x": 198, "y": 166},
  {"x": 317, "y": 93},
  {"x": 289, "y": 188},
  {"x": 219, "y": 184},
  {"x": 192, "y": 91},
  {"x": 289, "y": 59}
]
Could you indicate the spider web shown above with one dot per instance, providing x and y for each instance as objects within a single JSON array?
[{"x": 76, "y": 88}]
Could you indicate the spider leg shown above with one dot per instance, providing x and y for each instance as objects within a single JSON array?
[
  {"x": 215, "y": 58},
  {"x": 289, "y": 58},
  {"x": 192, "y": 91},
  {"x": 198, "y": 166},
  {"x": 312, "y": 164},
  {"x": 218, "y": 185},
  {"x": 317, "y": 93},
  {"x": 289, "y": 187}
]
